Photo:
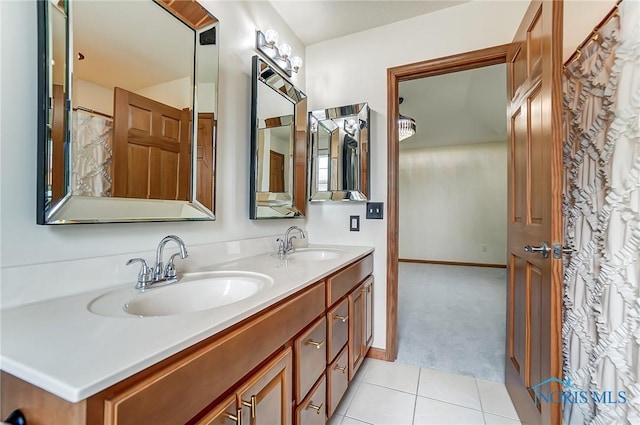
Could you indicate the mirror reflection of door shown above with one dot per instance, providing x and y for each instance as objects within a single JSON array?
[
  {"x": 151, "y": 148},
  {"x": 57, "y": 143},
  {"x": 276, "y": 172},
  {"x": 205, "y": 159}
]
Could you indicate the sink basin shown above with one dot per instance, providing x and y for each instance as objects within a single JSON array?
[
  {"x": 315, "y": 254},
  {"x": 195, "y": 292}
]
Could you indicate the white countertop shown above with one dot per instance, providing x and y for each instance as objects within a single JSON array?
[{"x": 62, "y": 347}]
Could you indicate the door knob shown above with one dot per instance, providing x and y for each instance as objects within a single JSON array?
[{"x": 543, "y": 249}]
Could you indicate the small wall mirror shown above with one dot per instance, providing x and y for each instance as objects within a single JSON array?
[
  {"x": 278, "y": 145},
  {"x": 339, "y": 154},
  {"x": 120, "y": 87}
]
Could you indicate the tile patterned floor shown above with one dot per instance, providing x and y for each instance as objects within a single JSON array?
[{"x": 384, "y": 393}]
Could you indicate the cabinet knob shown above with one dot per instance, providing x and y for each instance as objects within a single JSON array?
[
  {"x": 251, "y": 404},
  {"x": 341, "y": 318},
  {"x": 318, "y": 345},
  {"x": 237, "y": 418},
  {"x": 318, "y": 409},
  {"x": 342, "y": 369}
]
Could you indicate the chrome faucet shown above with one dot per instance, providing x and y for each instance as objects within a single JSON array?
[
  {"x": 285, "y": 245},
  {"x": 148, "y": 276}
]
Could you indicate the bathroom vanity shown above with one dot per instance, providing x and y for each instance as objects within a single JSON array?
[{"x": 285, "y": 355}]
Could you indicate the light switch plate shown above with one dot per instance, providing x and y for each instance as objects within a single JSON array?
[
  {"x": 375, "y": 210},
  {"x": 354, "y": 223}
]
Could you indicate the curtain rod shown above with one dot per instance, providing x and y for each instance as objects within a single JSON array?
[
  {"x": 91, "y": 111},
  {"x": 593, "y": 35}
]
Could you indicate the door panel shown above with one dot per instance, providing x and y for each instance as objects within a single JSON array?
[
  {"x": 152, "y": 149},
  {"x": 534, "y": 197}
]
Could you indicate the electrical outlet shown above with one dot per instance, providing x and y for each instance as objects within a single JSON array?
[
  {"x": 375, "y": 210},
  {"x": 354, "y": 223}
]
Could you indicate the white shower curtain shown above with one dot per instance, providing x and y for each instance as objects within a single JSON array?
[
  {"x": 601, "y": 329},
  {"x": 91, "y": 155}
]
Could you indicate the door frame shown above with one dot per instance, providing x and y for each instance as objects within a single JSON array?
[{"x": 429, "y": 68}]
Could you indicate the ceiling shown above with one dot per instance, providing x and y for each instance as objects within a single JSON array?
[
  {"x": 315, "y": 21},
  {"x": 456, "y": 109}
]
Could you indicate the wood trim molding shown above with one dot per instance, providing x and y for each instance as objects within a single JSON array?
[
  {"x": 454, "y": 63},
  {"x": 377, "y": 353},
  {"x": 452, "y": 263}
]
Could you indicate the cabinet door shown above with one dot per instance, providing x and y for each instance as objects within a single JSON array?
[
  {"x": 266, "y": 398},
  {"x": 356, "y": 329},
  {"x": 224, "y": 413},
  {"x": 368, "y": 316}
]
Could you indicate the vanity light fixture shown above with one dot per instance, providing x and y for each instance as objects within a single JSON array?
[
  {"x": 267, "y": 43},
  {"x": 406, "y": 125}
]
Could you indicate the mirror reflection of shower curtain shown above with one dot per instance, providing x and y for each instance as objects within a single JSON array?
[
  {"x": 349, "y": 163},
  {"x": 91, "y": 155}
]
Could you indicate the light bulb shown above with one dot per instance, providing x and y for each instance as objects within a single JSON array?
[
  {"x": 271, "y": 37},
  {"x": 284, "y": 50},
  {"x": 296, "y": 63}
]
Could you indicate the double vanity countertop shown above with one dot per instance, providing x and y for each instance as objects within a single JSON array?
[{"x": 62, "y": 347}]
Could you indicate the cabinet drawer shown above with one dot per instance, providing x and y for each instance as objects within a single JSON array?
[
  {"x": 312, "y": 411},
  {"x": 311, "y": 357},
  {"x": 203, "y": 374},
  {"x": 337, "y": 381},
  {"x": 343, "y": 282},
  {"x": 338, "y": 329}
]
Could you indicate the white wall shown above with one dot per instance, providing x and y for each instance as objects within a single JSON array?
[
  {"x": 453, "y": 200},
  {"x": 23, "y": 242},
  {"x": 580, "y": 18},
  {"x": 176, "y": 93},
  {"x": 353, "y": 69}
]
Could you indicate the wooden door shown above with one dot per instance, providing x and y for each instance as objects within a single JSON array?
[
  {"x": 224, "y": 413},
  {"x": 368, "y": 316},
  {"x": 534, "y": 291},
  {"x": 152, "y": 149},
  {"x": 205, "y": 159},
  {"x": 276, "y": 172},
  {"x": 267, "y": 398},
  {"x": 58, "y": 189},
  {"x": 356, "y": 329}
]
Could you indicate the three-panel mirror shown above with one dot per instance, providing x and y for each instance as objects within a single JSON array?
[
  {"x": 278, "y": 145},
  {"x": 121, "y": 85},
  {"x": 339, "y": 154}
]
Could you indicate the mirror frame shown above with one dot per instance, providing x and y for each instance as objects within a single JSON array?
[
  {"x": 48, "y": 213},
  {"x": 298, "y": 144},
  {"x": 364, "y": 166}
]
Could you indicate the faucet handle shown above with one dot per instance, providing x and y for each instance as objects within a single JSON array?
[
  {"x": 144, "y": 276},
  {"x": 170, "y": 269},
  {"x": 282, "y": 248}
]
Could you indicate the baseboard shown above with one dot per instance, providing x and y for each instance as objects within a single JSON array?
[
  {"x": 451, "y": 263},
  {"x": 377, "y": 353}
]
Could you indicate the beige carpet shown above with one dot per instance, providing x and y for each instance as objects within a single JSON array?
[{"x": 452, "y": 318}]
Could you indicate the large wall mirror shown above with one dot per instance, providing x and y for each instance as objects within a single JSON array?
[
  {"x": 121, "y": 85},
  {"x": 339, "y": 154},
  {"x": 278, "y": 145}
]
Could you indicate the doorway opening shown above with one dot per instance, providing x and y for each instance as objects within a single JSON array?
[{"x": 462, "y": 62}]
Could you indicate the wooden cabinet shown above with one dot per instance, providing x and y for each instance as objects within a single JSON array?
[
  {"x": 290, "y": 363},
  {"x": 361, "y": 325},
  {"x": 265, "y": 398},
  {"x": 311, "y": 357},
  {"x": 312, "y": 410},
  {"x": 337, "y": 380}
]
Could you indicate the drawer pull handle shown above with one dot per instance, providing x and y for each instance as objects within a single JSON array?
[
  {"x": 342, "y": 369},
  {"x": 252, "y": 405},
  {"x": 314, "y": 407},
  {"x": 341, "y": 318},
  {"x": 318, "y": 345},
  {"x": 237, "y": 418}
]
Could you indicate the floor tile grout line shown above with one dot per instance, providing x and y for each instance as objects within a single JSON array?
[
  {"x": 388, "y": 388},
  {"x": 484, "y": 419},
  {"x": 355, "y": 419},
  {"x": 415, "y": 400},
  {"x": 452, "y": 404}
]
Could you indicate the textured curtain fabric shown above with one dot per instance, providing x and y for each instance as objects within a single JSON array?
[
  {"x": 601, "y": 328},
  {"x": 91, "y": 155}
]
